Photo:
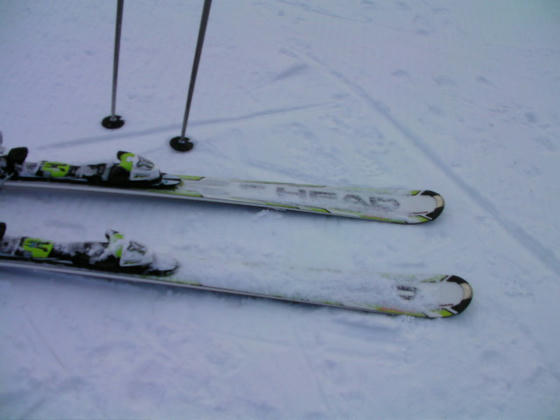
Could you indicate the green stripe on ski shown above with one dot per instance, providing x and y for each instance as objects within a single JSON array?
[
  {"x": 185, "y": 193},
  {"x": 284, "y": 184},
  {"x": 191, "y": 177},
  {"x": 316, "y": 210},
  {"x": 285, "y": 206},
  {"x": 381, "y": 219},
  {"x": 278, "y": 205},
  {"x": 391, "y": 311},
  {"x": 444, "y": 313}
]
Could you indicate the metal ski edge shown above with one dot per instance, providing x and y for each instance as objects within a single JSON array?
[{"x": 442, "y": 312}]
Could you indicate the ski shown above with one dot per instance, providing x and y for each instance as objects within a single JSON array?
[
  {"x": 134, "y": 175},
  {"x": 438, "y": 296}
]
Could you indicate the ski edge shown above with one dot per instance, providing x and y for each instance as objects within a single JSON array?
[{"x": 443, "y": 312}]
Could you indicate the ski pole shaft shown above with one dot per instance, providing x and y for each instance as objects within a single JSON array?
[
  {"x": 196, "y": 61},
  {"x": 113, "y": 120},
  {"x": 118, "y": 27}
]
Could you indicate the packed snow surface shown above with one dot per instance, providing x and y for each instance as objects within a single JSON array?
[{"x": 453, "y": 96}]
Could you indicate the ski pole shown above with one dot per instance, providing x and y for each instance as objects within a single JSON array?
[
  {"x": 114, "y": 121},
  {"x": 182, "y": 143}
]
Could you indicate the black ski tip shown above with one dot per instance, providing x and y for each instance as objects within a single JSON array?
[
  {"x": 181, "y": 144},
  {"x": 112, "y": 122},
  {"x": 2, "y": 230},
  {"x": 440, "y": 204},
  {"x": 467, "y": 293}
]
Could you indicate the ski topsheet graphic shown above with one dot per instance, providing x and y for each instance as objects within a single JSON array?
[
  {"x": 134, "y": 175},
  {"x": 438, "y": 296}
]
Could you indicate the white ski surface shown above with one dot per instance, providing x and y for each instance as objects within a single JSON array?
[
  {"x": 386, "y": 205},
  {"x": 430, "y": 297}
]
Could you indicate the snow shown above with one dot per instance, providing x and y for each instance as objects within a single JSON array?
[{"x": 458, "y": 97}]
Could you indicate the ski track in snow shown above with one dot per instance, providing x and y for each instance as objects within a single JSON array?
[
  {"x": 523, "y": 238},
  {"x": 172, "y": 128}
]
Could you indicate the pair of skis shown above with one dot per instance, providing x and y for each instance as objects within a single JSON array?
[{"x": 431, "y": 297}]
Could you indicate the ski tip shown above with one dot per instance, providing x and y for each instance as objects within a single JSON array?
[
  {"x": 440, "y": 205},
  {"x": 467, "y": 295}
]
